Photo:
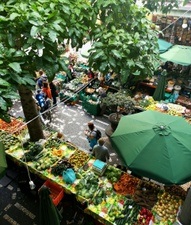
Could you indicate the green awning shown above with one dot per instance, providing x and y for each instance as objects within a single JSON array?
[
  {"x": 163, "y": 45},
  {"x": 155, "y": 145},
  {"x": 178, "y": 54}
]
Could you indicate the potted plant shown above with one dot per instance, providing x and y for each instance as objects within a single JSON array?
[{"x": 117, "y": 104}]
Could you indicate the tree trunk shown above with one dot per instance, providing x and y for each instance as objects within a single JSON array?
[{"x": 30, "y": 111}]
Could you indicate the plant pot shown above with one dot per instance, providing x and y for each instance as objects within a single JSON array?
[{"x": 114, "y": 120}]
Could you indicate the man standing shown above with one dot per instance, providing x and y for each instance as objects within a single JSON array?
[{"x": 100, "y": 151}]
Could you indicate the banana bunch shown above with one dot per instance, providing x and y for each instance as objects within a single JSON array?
[
  {"x": 151, "y": 107},
  {"x": 173, "y": 112}
]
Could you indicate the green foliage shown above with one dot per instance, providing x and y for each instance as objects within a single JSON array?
[
  {"x": 120, "y": 99},
  {"x": 123, "y": 40},
  {"x": 30, "y": 32},
  {"x": 7, "y": 94}
]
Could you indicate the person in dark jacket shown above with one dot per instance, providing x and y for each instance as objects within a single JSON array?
[
  {"x": 53, "y": 92},
  {"x": 100, "y": 151}
]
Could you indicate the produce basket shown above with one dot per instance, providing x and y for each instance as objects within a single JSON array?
[
  {"x": 56, "y": 191},
  {"x": 78, "y": 159}
]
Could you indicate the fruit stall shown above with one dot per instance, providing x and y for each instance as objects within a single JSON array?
[
  {"x": 114, "y": 198},
  {"x": 174, "y": 109}
]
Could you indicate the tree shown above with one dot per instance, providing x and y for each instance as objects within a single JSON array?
[
  {"x": 124, "y": 40},
  {"x": 30, "y": 31}
]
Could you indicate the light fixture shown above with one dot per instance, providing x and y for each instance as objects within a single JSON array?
[
  {"x": 184, "y": 24},
  {"x": 32, "y": 185}
]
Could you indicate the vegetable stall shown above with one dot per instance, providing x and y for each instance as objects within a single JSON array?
[{"x": 114, "y": 198}]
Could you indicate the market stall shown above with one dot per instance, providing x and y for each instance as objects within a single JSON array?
[{"x": 114, "y": 197}]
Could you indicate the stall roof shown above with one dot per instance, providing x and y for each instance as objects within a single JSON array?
[
  {"x": 163, "y": 45},
  {"x": 178, "y": 54}
]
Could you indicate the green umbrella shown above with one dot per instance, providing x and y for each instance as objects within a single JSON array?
[
  {"x": 155, "y": 145},
  {"x": 178, "y": 54},
  {"x": 163, "y": 45},
  {"x": 3, "y": 163},
  {"x": 159, "y": 93},
  {"x": 49, "y": 215}
]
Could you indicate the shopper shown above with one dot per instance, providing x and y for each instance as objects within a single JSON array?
[
  {"x": 100, "y": 151},
  {"x": 40, "y": 99},
  {"x": 90, "y": 74},
  {"x": 47, "y": 112},
  {"x": 71, "y": 71},
  {"x": 53, "y": 92},
  {"x": 43, "y": 78},
  {"x": 91, "y": 135},
  {"x": 46, "y": 90}
]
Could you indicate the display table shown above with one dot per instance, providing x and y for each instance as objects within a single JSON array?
[
  {"x": 91, "y": 107},
  {"x": 107, "y": 207}
]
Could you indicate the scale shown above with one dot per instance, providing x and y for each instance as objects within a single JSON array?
[{"x": 99, "y": 167}]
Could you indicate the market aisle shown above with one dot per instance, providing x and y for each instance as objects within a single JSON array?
[{"x": 71, "y": 121}]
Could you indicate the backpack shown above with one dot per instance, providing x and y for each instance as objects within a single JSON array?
[{"x": 98, "y": 134}]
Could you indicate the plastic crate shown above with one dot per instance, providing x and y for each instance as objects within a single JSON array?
[{"x": 56, "y": 191}]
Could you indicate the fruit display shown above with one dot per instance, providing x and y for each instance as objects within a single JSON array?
[
  {"x": 57, "y": 152},
  {"x": 128, "y": 214},
  {"x": 67, "y": 149},
  {"x": 45, "y": 160},
  {"x": 115, "y": 208},
  {"x": 112, "y": 173},
  {"x": 53, "y": 142},
  {"x": 167, "y": 206},
  {"x": 9, "y": 141},
  {"x": 60, "y": 166},
  {"x": 87, "y": 186},
  {"x": 78, "y": 158},
  {"x": 176, "y": 190},
  {"x": 144, "y": 217},
  {"x": 60, "y": 147},
  {"x": 101, "y": 195},
  {"x": 146, "y": 194},
  {"x": 178, "y": 109},
  {"x": 168, "y": 108},
  {"x": 14, "y": 127},
  {"x": 126, "y": 185},
  {"x": 33, "y": 150}
]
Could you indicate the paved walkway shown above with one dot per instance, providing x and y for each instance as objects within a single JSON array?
[{"x": 71, "y": 121}]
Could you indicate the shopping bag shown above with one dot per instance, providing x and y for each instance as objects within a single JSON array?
[{"x": 69, "y": 176}]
